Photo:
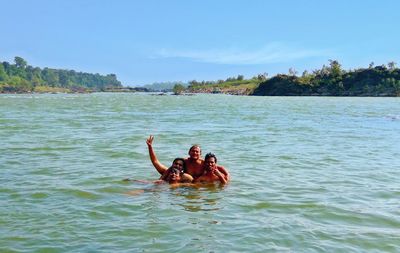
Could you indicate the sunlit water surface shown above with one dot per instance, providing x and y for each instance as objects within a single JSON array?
[{"x": 309, "y": 174}]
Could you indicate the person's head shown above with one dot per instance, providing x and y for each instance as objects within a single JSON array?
[
  {"x": 179, "y": 163},
  {"x": 174, "y": 176},
  {"x": 195, "y": 152},
  {"x": 210, "y": 161}
]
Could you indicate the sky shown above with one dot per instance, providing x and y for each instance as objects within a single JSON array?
[{"x": 149, "y": 41}]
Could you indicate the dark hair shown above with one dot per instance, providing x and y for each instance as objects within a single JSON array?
[
  {"x": 175, "y": 170},
  {"x": 164, "y": 176},
  {"x": 209, "y": 155},
  {"x": 194, "y": 146},
  {"x": 182, "y": 160}
]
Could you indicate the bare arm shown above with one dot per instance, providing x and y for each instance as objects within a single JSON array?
[
  {"x": 187, "y": 178},
  {"x": 165, "y": 175},
  {"x": 224, "y": 172},
  {"x": 222, "y": 178},
  {"x": 211, "y": 179},
  {"x": 161, "y": 168}
]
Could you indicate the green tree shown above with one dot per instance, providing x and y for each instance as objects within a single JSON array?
[
  {"x": 335, "y": 68},
  {"x": 50, "y": 77},
  {"x": 178, "y": 89},
  {"x": 3, "y": 74},
  {"x": 19, "y": 84},
  {"x": 21, "y": 77},
  {"x": 63, "y": 77},
  {"x": 20, "y": 62}
]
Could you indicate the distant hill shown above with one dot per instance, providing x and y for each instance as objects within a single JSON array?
[{"x": 21, "y": 77}]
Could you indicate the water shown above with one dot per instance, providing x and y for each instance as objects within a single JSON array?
[{"x": 309, "y": 174}]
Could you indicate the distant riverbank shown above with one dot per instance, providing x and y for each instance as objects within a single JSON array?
[
  {"x": 379, "y": 81},
  {"x": 332, "y": 80}
]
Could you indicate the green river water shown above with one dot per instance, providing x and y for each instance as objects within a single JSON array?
[{"x": 309, "y": 174}]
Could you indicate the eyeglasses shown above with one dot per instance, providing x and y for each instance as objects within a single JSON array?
[{"x": 176, "y": 171}]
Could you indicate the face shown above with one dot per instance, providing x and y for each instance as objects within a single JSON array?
[
  {"x": 178, "y": 164},
  {"x": 195, "y": 153},
  {"x": 210, "y": 164},
  {"x": 174, "y": 175}
]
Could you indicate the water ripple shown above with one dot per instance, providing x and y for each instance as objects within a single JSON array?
[{"x": 308, "y": 174}]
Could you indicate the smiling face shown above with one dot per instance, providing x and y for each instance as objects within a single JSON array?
[
  {"x": 178, "y": 164},
  {"x": 174, "y": 176},
  {"x": 195, "y": 152},
  {"x": 210, "y": 164}
]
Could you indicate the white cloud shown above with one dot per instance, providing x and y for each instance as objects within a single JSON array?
[{"x": 271, "y": 53}]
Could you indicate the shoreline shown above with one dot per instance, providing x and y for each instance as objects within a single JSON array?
[{"x": 160, "y": 93}]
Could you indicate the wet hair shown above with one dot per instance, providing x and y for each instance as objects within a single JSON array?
[
  {"x": 209, "y": 155},
  {"x": 195, "y": 146}
]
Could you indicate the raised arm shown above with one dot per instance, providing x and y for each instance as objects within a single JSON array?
[{"x": 161, "y": 168}]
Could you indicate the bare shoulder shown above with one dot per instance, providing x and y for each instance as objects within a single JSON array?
[
  {"x": 222, "y": 168},
  {"x": 187, "y": 178}
]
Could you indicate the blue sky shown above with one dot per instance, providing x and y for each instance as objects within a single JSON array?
[{"x": 180, "y": 40}]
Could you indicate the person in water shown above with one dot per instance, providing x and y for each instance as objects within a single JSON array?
[
  {"x": 162, "y": 169},
  {"x": 173, "y": 175},
  {"x": 178, "y": 165},
  {"x": 194, "y": 164},
  {"x": 211, "y": 172},
  {"x": 174, "y": 178}
]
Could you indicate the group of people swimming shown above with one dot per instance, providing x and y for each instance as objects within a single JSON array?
[{"x": 192, "y": 169}]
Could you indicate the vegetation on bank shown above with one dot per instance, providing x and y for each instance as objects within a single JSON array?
[
  {"x": 22, "y": 78},
  {"x": 330, "y": 80},
  {"x": 163, "y": 86},
  {"x": 232, "y": 85}
]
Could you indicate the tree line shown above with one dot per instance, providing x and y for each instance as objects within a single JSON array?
[
  {"x": 21, "y": 77},
  {"x": 193, "y": 85},
  {"x": 332, "y": 80}
]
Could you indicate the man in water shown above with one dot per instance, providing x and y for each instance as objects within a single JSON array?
[
  {"x": 161, "y": 168},
  {"x": 211, "y": 172},
  {"x": 194, "y": 164},
  {"x": 174, "y": 176},
  {"x": 178, "y": 165}
]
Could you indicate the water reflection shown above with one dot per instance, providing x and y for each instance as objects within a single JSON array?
[
  {"x": 200, "y": 198},
  {"x": 195, "y": 197},
  {"x": 145, "y": 186}
]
